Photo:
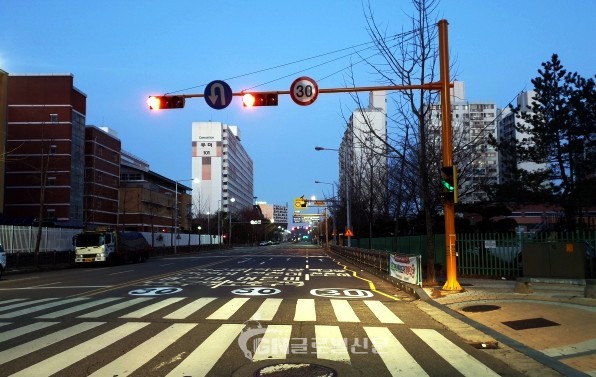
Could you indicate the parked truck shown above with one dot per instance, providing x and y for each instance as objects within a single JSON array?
[{"x": 110, "y": 247}]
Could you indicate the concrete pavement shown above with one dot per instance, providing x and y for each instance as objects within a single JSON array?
[{"x": 550, "y": 332}]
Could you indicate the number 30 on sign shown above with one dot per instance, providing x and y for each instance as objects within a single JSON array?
[{"x": 304, "y": 91}]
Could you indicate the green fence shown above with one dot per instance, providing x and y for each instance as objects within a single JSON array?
[{"x": 483, "y": 254}]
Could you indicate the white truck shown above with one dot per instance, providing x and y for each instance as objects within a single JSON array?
[{"x": 110, "y": 247}]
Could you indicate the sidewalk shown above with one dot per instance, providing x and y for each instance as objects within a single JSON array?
[{"x": 551, "y": 332}]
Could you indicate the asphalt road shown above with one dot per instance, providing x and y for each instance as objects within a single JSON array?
[{"x": 275, "y": 311}]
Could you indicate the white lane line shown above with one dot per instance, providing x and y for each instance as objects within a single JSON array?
[
  {"x": 152, "y": 308},
  {"x": 114, "y": 308},
  {"x": 343, "y": 311},
  {"x": 78, "y": 308},
  {"x": 382, "y": 312},
  {"x": 11, "y": 334},
  {"x": 305, "y": 310},
  {"x": 41, "y": 307},
  {"x": 45, "y": 341},
  {"x": 228, "y": 310},
  {"x": 65, "y": 359},
  {"x": 397, "y": 360},
  {"x": 274, "y": 344},
  {"x": 189, "y": 309},
  {"x": 121, "y": 272},
  {"x": 306, "y": 277},
  {"x": 267, "y": 310},
  {"x": 330, "y": 344},
  {"x": 136, "y": 358},
  {"x": 458, "y": 358},
  {"x": 202, "y": 359}
]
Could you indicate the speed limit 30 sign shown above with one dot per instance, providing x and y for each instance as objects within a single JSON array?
[{"x": 304, "y": 91}]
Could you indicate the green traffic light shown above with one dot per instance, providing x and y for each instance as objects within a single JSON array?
[{"x": 447, "y": 185}]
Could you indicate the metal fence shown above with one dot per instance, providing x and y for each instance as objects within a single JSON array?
[
  {"x": 56, "y": 245},
  {"x": 478, "y": 254}
]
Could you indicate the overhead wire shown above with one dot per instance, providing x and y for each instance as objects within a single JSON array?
[{"x": 369, "y": 44}]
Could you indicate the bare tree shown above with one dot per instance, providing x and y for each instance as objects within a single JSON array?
[{"x": 410, "y": 58}]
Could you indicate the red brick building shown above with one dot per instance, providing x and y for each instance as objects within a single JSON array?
[
  {"x": 102, "y": 176},
  {"x": 45, "y": 144}
]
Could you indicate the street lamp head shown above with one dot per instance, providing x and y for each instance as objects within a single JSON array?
[
  {"x": 233, "y": 200},
  {"x": 319, "y": 148}
]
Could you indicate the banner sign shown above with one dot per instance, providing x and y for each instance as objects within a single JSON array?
[{"x": 405, "y": 268}]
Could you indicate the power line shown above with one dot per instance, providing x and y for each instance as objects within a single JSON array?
[{"x": 390, "y": 38}]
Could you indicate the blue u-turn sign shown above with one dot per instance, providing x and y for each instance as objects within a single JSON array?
[{"x": 218, "y": 94}]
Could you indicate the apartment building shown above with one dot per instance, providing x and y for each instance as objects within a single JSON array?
[
  {"x": 477, "y": 162},
  {"x": 223, "y": 168},
  {"x": 362, "y": 153}
]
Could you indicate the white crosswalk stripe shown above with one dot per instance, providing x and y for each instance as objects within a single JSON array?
[
  {"x": 114, "y": 308},
  {"x": 136, "y": 358},
  {"x": 306, "y": 310},
  {"x": 458, "y": 358},
  {"x": 152, "y": 308},
  {"x": 38, "y": 308},
  {"x": 58, "y": 362},
  {"x": 274, "y": 344},
  {"x": 276, "y": 341},
  {"x": 331, "y": 344},
  {"x": 48, "y": 340},
  {"x": 202, "y": 359},
  {"x": 397, "y": 359},
  {"x": 21, "y": 304}
]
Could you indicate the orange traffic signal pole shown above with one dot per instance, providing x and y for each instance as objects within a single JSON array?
[
  {"x": 446, "y": 136},
  {"x": 444, "y": 87}
]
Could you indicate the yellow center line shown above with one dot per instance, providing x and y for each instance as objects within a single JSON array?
[{"x": 371, "y": 285}]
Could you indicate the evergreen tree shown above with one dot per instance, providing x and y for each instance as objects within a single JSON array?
[{"x": 560, "y": 129}]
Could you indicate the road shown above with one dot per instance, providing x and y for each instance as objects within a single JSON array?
[{"x": 276, "y": 311}]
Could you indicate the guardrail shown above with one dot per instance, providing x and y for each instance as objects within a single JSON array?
[{"x": 375, "y": 259}]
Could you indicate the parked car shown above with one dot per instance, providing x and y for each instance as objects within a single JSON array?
[{"x": 2, "y": 260}]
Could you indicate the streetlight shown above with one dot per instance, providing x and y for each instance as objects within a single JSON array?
[
  {"x": 196, "y": 180},
  {"x": 348, "y": 178},
  {"x": 334, "y": 219},
  {"x": 230, "y": 218},
  {"x": 219, "y": 209},
  {"x": 199, "y": 230}
]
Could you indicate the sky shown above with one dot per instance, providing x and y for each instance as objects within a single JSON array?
[{"x": 120, "y": 52}]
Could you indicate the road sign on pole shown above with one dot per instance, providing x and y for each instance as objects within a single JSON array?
[
  {"x": 218, "y": 94},
  {"x": 304, "y": 91}
]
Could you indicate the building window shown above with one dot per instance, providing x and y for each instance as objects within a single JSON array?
[
  {"x": 53, "y": 118},
  {"x": 99, "y": 176},
  {"x": 51, "y": 181},
  {"x": 52, "y": 149}
]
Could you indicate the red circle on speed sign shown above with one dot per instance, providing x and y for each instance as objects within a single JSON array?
[{"x": 304, "y": 91}]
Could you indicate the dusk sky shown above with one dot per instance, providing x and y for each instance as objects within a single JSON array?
[{"x": 120, "y": 52}]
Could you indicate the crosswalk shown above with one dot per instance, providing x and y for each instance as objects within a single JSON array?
[{"x": 196, "y": 338}]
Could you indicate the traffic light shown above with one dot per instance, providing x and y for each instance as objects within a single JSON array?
[
  {"x": 259, "y": 99},
  {"x": 165, "y": 102},
  {"x": 449, "y": 183}
]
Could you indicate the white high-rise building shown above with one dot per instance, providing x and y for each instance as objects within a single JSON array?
[
  {"x": 506, "y": 131},
  {"x": 363, "y": 152},
  {"x": 224, "y": 169},
  {"x": 475, "y": 159}
]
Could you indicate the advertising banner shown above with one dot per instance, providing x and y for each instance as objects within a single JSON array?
[{"x": 405, "y": 268}]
